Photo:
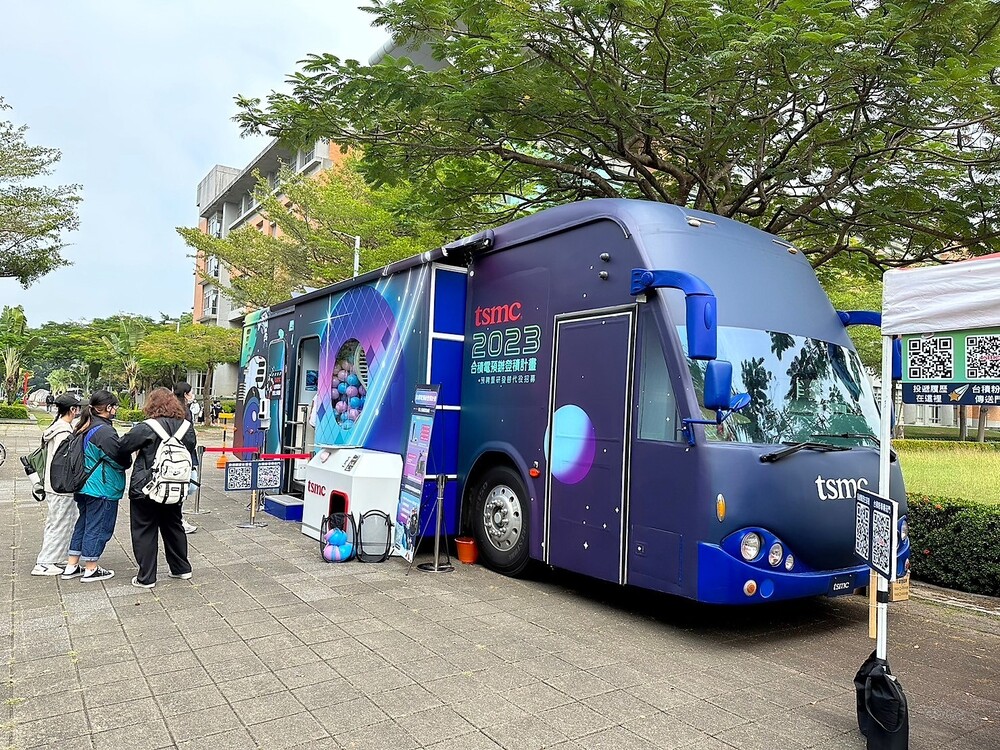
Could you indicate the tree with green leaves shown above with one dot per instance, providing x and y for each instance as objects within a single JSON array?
[
  {"x": 849, "y": 127},
  {"x": 317, "y": 219},
  {"x": 33, "y": 217}
]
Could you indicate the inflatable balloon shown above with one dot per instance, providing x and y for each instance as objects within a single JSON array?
[
  {"x": 355, "y": 403},
  {"x": 342, "y": 387},
  {"x": 353, "y": 379},
  {"x": 351, "y": 391},
  {"x": 340, "y": 407},
  {"x": 328, "y": 552},
  {"x": 337, "y": 537},
  {"x": 353, "y": 414}
]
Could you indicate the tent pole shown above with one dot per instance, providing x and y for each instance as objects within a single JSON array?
[{"x": 885, "y": 448}]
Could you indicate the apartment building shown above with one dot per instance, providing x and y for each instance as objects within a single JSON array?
[{"x": 225, "y": 203}]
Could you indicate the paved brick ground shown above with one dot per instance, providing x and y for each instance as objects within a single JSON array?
[{"x": 269, "y": 647}]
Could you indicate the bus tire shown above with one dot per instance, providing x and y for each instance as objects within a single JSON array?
[{"x": 500, "y": 520}]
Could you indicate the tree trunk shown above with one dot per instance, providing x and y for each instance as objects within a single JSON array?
[
  {"x": 206, "y": 397},
  {"x": 984, "y": 416},
  {"x": 963, "y": 423}
]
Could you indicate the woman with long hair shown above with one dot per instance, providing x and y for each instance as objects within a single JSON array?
[
  {"x": 105, "y": 462},
  {"x": 151, "y": 518}
]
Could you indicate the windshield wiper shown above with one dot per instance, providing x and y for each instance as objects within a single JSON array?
[
  {"x": 858, "y": 436},
  {"x": 770, "y": 458}
]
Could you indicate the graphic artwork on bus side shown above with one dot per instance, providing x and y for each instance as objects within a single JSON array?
[{"x": 573, "y": 444}]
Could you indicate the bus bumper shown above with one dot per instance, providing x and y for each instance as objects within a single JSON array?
[{"x": 723, "y": 579}]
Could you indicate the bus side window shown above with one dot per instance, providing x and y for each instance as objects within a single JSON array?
[{"x": 657, "y": 406}]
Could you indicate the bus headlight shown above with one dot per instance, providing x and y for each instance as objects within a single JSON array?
[
  {"x": 775, "y": 554},
  {"x": 789, "y": 563},
  {"x": 750, "y": 546},
  {"x": 904, "y": 530}
]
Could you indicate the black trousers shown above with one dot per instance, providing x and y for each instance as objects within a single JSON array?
[{"x": 150, "y": 518}]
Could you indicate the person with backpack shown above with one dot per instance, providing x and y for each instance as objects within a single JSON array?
[
  {"x": 185, "y": 396},
  {"x": 62, "y": 512},
  {"x": 160, "y": 477},
  {"x": 104, "y": 464}
]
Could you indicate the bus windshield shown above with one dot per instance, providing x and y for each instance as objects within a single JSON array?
[{"x": 801, "y": 389}]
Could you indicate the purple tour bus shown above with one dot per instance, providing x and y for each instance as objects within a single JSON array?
[{"x": 630, "y": 390}]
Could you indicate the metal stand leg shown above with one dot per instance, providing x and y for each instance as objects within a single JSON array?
[
  {"x": 253, "y": 523},
  {"x": 436, "y": 566},
  {"x": 197, "y": 488}
]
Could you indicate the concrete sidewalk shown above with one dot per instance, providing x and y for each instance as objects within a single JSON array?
[{"x": 267, "y": 646}]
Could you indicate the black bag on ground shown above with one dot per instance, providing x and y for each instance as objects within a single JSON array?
[
  {"x": 883, "y": 716},
  {"x": 374, "y": 537},
  {"x": 68, "y": 473}
]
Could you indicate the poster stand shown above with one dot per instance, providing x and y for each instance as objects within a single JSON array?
[{"x": 436, "y": 566}]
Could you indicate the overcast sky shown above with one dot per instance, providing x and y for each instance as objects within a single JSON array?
[{"x": 138, "y": 96}]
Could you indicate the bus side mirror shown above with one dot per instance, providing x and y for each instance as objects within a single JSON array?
[{"x": 718, "y": 384}]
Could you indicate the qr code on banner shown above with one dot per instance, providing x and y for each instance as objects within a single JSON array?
[
  {"x": 931, "y": 358},
  {"x": 269, "y": 475},
  {"x": 982, "y": 357},
  {"x": 862, "y": 521},
  {"x": 239, "y": 476},
  {"x": 881, "y": 541}
]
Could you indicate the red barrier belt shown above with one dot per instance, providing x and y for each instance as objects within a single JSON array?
[
  {"x": 232, "y": 450},
  {"x": 286, "y": 455}
]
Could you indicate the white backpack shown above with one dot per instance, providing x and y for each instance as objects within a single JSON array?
[{"x": 170, "y": 473}]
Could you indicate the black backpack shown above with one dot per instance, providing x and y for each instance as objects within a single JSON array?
[{"x": 68, "y": 473}]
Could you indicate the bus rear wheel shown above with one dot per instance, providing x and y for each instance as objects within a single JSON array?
[{"x": 500, "y": 520}]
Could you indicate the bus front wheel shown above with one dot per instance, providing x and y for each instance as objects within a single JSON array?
[{"x": 500, "y": 520}]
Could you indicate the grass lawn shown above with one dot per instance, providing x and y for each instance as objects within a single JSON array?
[{"x": 952, "y": 471}]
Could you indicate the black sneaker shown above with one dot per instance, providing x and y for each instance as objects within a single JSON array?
[
  {"x": 72, "y": 571},
  {"x": 97, "y": 574}
]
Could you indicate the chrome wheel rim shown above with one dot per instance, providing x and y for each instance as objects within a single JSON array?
[{"x": 502, "y": 517}]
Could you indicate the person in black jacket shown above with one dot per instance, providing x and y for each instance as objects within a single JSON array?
[{"x": 148, "y": 516}]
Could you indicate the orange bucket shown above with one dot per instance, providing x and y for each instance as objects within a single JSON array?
[{"x": 467, "y": 551}]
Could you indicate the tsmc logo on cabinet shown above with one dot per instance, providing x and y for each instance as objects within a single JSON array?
[{"x": 316, "y": 489}]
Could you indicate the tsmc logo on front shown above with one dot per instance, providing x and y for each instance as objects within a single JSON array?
[
  {"x": 315, "y": 489},
  {"x": 839, "y": 489}
]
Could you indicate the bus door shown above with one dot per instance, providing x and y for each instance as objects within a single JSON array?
[
  {"x": 587, "y": 443},
  {"x": 274, "y": 393},
  {"x": 300, "y": 436}
]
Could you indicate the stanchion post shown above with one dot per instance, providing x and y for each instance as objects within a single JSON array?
[
  {"x": 436, "y": 566},
  {"x": 253, "y": 522},
  {"x": 197, "y": 489}
]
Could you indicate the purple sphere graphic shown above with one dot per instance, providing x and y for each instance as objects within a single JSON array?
[{"x": 573, "y": 446}]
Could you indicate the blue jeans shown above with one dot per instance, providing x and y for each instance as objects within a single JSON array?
[{"x": 94, "y": 527}]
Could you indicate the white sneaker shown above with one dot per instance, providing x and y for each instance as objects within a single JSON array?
[
  {"x": 46, "y": 569},
  {"x": 189, "y": 528},
  {"x": 135, "y": 582},
  {"x": 182, "y": 576}
]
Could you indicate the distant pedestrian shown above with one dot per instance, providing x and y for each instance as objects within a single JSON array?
[
  {"x": 98, "y": 500},
  {"x": 60, "y": 520},
  {"x": 216, "y": 410},
  {"x": 184, "y": 394},
  {"x": 49, "y": 402},
  {"x": 149, "y": 517}
]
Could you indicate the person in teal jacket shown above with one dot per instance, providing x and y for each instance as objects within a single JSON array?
[{"x": 98, "y": 499}]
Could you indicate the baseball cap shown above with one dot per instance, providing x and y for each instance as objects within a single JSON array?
[{"x": 68, "y": 399}]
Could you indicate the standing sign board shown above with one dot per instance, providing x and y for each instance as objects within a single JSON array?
[
  {"x": 418, "y": 446},
  {"x": 875, "y": 539},
  {"x": 242, "y": 476}
]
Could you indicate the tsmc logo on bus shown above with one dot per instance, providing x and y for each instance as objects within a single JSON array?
[{"x": 491, "y": 316}]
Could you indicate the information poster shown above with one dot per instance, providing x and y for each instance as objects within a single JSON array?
[
  {"x": 418, "y": 447},
  {"x": 953, "y": 367}
]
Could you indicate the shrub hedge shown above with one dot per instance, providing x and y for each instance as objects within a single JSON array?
[
  {"x": 944, "y": 445},
  {"x": 130, "y": 415},
  {"x": 13, "y": 411},
  {"x": 955, "y": 543},
  {"x": 228, "y": 407}
]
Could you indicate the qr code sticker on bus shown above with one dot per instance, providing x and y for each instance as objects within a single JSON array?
[
  {"x": 269, "y": 475},
  {"x": 239, "y": 476},
  {"x": 982, "y": 357},
  {"x": 931, "y": 358},
  {"x": 881, "y": 541}
]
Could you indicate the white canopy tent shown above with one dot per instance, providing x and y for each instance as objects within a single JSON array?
[{"x": 957, "y": 296}]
